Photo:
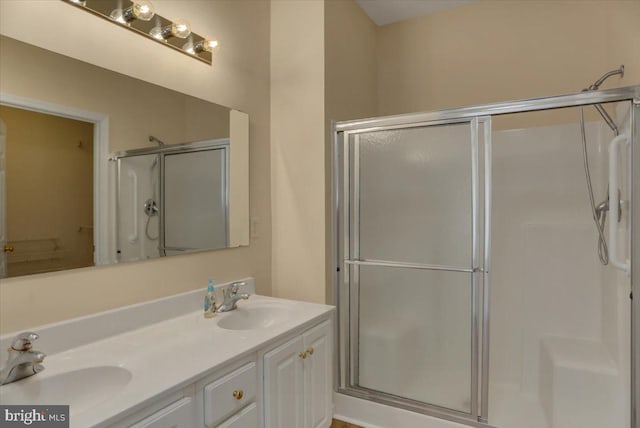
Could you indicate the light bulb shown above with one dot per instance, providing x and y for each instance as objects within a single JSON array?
[
  {"x": 140, "y": 9},
  {"x": 208, "y": 45},
  {"x": 180, "y": 28}
]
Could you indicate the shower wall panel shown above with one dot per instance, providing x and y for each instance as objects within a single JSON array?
[
  {"x": 546, "y": 278},
  {"x": 559, "y": 318},
  {"x": 137, "y": 233}
]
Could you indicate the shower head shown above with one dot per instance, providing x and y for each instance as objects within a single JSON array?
[
  {"x": 156, "y": 140},
  {"x": 605, "y": 76},
  {"x": 599, "y": 107}
]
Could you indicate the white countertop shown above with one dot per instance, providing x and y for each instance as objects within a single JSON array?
[{"x": 166, "y": 356}]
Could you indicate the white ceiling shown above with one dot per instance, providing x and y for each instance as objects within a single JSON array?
[{"x": 384, "y": 12}]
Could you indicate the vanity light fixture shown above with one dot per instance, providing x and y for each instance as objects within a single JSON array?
[
  {"x": 140, "y": 16},
  {"x": 178, "y": 28},
  {"x": 139, "y": 9}
]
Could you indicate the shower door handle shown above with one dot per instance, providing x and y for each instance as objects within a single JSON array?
[{"x": 614, "y": 205}]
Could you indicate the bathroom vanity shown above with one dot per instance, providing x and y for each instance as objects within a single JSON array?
[{"x": 269, "y": 363}]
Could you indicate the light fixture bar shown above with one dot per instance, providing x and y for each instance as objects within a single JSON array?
[{"x": 139, "y": 16}]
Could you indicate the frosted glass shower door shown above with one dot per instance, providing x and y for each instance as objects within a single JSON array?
[
  {"x": 414, "y": 259},
  {"x": 195, "y": 200}
]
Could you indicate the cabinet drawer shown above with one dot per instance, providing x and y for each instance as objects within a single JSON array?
[
  {"x": 247, "y": 418},
  {"x": 227, "y": 395},
  {"x": 176, "y": 415}
]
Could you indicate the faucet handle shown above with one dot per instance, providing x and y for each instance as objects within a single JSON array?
[
  {"x": 22, "y": 342},
  {"x": 235, "y": 286}
]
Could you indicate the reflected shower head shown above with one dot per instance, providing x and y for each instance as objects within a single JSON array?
[{"x": 156, "y": 140}]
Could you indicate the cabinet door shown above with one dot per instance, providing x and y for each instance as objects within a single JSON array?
[
  {"x": 318, "y": 374},
  {"x": 283, "y": 384},
  {"x": 176, "y": 415}
]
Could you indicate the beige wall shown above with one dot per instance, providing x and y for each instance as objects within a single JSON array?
[
  {"x": 491, "y": 51},
  {"x": 351, "y": 74},
  {"x": 238, "y": 79},
  {"x": 136, "y": 109},
  {"x": 49, "y": 192},
  {"x": 297, "y": 149},
  {"x": 350, "y": 61}
]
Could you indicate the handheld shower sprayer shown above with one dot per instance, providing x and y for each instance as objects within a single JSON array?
[
  {"x": 151, "y": 208},
  {"x": 599, "y": 212}
]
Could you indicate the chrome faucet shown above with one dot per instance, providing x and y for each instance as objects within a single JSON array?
[
  {"x": 22, "y": 361},
  {"x": 231, "y": 297}
]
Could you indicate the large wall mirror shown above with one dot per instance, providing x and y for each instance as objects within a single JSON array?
[{"x": 97, "y": 167}]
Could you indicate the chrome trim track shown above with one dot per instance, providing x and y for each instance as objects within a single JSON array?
[
  {"x": 414, "y": 406},
  {"x": 635, "y": 262},
  {"x": 486, "y": 266},
  {"x": 369, "y": 262},
  {"x": 518, "y": 106}
]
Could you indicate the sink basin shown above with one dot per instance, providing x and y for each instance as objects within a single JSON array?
[
  {"x": 256, "y": 316},
  {"x": 80, "y": 388}
]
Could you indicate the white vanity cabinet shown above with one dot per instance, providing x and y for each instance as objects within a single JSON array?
[
  {"x": 176, "y": 415},
  {"x": 274, "y": 377},
  {"x": 227, "y": 398},
  {"x": 176, "y": 410},
  {"x": 298, "y": 381},
  {"x": 230, "y": 400}
]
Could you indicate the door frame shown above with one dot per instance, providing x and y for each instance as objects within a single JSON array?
[
  {"x": 102, "y": 215},
  {"x": 3, "y": 199}
]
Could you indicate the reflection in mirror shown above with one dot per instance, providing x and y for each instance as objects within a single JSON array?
[
  {"x": 172, "y": 199},
  {"x": 49, "y": 192},
  {"x": 191, "y": 178}
]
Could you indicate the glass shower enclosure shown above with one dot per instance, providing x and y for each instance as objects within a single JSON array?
[
  {"x": 412, "y": 227},
  {"x": 172, "y": 199}
]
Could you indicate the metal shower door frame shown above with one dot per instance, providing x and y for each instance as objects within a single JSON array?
[
  {"x": 340, "y": 213},
  {"x": 480, "y": 220}
]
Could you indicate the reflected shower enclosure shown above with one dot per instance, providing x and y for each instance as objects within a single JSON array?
[{"x": 172, "y": 199}]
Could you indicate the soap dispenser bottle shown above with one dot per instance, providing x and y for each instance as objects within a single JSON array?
[{"x": 210, "y": 301}]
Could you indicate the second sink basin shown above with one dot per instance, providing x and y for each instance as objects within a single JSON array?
[
  {"x": 254, "y": 316},
  {"x": 81, "y": 389}
]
